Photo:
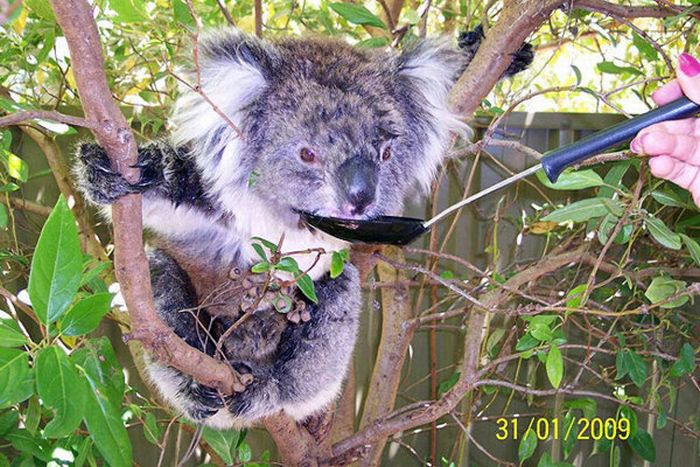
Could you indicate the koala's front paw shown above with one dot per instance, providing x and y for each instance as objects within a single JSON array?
[{"x": 101, "y": 184}]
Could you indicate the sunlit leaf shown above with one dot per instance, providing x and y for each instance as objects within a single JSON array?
[
  {"x": 661, "y": 288},
  {"x": 56, "y": 266},
  {"x": 554, "y": 366},
  {"x": 357, "y": 14},
  {"x": 57, "y": 382}
]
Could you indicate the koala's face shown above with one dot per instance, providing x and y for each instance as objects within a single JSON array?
[
  {"x": 332, "y": 152},
  {"x": 328, "y": 129}
]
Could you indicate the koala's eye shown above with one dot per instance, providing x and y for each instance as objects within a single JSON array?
[
  {"x": 386, "y": 153},
  {"x": 307, "y": 155}
]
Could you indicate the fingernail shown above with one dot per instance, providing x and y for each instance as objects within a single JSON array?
[
  {"x": 688, "y": 65},
  {"x": 634, "y": 146}
]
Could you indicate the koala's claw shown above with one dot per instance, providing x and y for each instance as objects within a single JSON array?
[
  {"x": 207, "y": 396},
  {"x": 102, "y": 185}
]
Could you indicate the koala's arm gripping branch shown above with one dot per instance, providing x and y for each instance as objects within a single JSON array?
[{"x": 75, "y": 17}]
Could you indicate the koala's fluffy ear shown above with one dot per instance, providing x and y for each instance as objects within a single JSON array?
[
  {"x": 233, "y": 69},
  {"x": 428, "y": 69}
]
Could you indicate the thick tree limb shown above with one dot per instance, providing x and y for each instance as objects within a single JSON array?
[
  {"x": 113, "y": 133},
  {"x": 396, "y": 336}
]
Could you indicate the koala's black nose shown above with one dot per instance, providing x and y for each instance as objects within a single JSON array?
[{"x": 358, "y": 177}]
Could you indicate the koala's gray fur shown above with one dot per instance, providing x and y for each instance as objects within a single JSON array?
[{"x": 378, "y": 125}]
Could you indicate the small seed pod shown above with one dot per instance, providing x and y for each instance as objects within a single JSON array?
[
  {"x": 294, "y": 317},
  {"x": 305, "y": 315},
  {"x": 235, "y": 274},
  {"x": 282, "y": 303}
]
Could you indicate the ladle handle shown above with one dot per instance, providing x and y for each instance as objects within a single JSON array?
[{"x": 554, "y": 162}]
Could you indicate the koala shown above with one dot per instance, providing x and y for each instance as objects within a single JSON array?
[{"x": 311, "y": 125}]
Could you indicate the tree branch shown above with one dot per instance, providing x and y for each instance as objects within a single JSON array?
[
  {"x": 612, "y": 9},
  {"x": 113, "y": 133},
  {"x": 19, "y": 117}
]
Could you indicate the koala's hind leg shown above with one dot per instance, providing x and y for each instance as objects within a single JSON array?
[
  {"x": 312, "y": 358},
  {"x": 176, "y": 303}
]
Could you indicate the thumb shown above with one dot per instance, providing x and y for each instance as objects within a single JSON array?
[{"x": 689, "y": 76}]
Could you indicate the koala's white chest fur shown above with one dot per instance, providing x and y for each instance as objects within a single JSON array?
[{"x": 230, "y": 243}]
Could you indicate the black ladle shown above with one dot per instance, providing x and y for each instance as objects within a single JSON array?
[{"x": 403, "y": 230}]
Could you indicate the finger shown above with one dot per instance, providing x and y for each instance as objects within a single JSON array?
[
  {"x": 667, "y": 93},
  {"x": 682, "y": 174},
  {"x": 687, "y": 126},
  {"x": 682, "y": 147},
  {"x": 689, "y": 76}
]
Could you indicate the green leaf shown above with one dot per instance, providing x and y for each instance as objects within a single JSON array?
[
  {"x": 610, "y": 67},
  {"x": 546, "y": 461},
  {"x": 575, "y": 295},
  {"x": 337, "y": 264},
  {"x": 40, "y": 8},
  {"x": 373, "y": 43},
  {"x": 629, "y": 362},
  {"x": 526, "y": 342},
  {"x": 151, "y": 431},
  {"x": 662, "y": 234},
  {"x": 10, "y": 334},
  {"x": 58, "y": 384},
  {"x": 16, "y": 380},
  {"x": 268, "y": 244},
  {"x": 357, "y": 14},
  {"x": 8, "y": 421},
  {"x": 105, "y": 424},
  {"x": 223, "y": 442},
  {"x": 288, "y": 264},
  {"x": 259, "y": 250},
  {"x": 306, "y": 285},
  {"x": 527, "y": 446},
  {"x": 613, "y": 179},
  {"x": 554, "y": 366},
  {"x": 96, "y": 357},
  {"x": 182, "y": 13},
  {"x": 631, "y": 415},
  {"x": 583, "y": 210},
  {"x": 588, "y": 406},
  {"x": 643, "y": 444},
  {"x": 685, "y": 364},
  {"x": 16, "y": 167},
  {"x": 128, "y": 11},
  {"x": 245, "y": 453},
  {"x": 644, "y": 46},
  {"x": 23, "y": 441},
  {"x": 577, "y": 73},
  {"x": 3, "y": 217},
  {"x": 661, "y": 288},
  {"x": 692, "y": 247},
  {"x": 572, "y": 180},
  {"x": 448, "y": 384},
  {"x": 260, "y": 267},
  {"x": 540, "y": 331},
  {"x": 668, "y": 198},
  {"x": 56, "y": 266},
  {"x": 85, "y": 315}
]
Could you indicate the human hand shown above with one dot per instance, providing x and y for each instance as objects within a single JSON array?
[{"x": 674, "y": 146}]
